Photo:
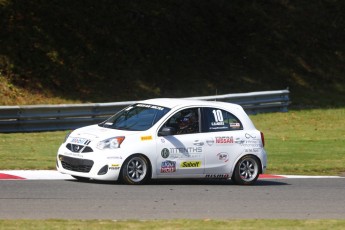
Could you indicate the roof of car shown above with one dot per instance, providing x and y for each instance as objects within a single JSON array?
[{"x": 173, "y": 102}]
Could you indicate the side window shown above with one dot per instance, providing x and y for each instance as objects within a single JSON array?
[
  {"x": 185, "y": 121},
  {"x": 217, "y": 120}
]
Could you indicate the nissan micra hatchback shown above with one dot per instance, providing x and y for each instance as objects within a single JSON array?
[{"x": 167, "y": 138}]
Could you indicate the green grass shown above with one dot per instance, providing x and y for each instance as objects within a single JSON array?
[
  {"x": 307, "y": 142},
  {"x": 173, "y": 224},
  {"x": 29, "y": 150}
]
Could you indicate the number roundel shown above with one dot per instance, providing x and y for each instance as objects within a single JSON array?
[{"x": 218, "y": 115}]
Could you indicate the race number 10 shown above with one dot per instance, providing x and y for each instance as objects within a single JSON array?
[{"x": 218, "y": 115}]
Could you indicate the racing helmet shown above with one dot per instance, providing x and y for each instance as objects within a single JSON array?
[{"x": 187, "y": 120}]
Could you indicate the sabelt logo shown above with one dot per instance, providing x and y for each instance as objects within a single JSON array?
[
  {"x": 146, "y": 138},
  {"x": 190, "y": 164}
]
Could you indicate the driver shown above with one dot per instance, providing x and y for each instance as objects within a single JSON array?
[{"x": 187, "y": 124}]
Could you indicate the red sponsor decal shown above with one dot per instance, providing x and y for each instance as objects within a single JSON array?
[{"x": 224, "y": 140}]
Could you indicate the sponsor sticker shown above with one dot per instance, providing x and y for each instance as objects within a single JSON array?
[
  {"x": 186, "y": 152},
  {"x": 250, "y": 142},
  {"x": 198, "y": 143},
  {"x": 224, "y": 140},
  {"x": 223, "y": 157},
  {"x": 254, "y": 150},
  {"x": 114, "y": 157},
  {"x": 74, "y": 155},
  {"x": 239, "y": 141},
  {"x": 150, "y": 106},
  {"x": 220, "y": 127},
  {"x": 77, "y": 140},
  {"x": 190, "y": 164},
  {"x": 146, "y": 138},
  {"x": 210, "y": 141},
  {"x": 168, "y": 167},
  {"x": 249, "y": 136},
  {"x": 217, "y": 123},
  {"x": 165, "y": 153},
  {"x": 114, "y": 167},
  {"x": 217, "y": 176},
  {"x": 235, "y": 125}
]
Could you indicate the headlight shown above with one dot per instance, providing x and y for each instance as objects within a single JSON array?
[{"x": 110, "y": 143}]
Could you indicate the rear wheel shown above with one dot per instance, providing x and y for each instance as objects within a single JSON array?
[
  {"x": 246, "y": 171},
  {"x": 135, "y": 170}
]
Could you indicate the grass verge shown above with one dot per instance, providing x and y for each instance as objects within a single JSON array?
[
  {"x": 308, "y": 142},
  {"x": 173, "y": 224}
]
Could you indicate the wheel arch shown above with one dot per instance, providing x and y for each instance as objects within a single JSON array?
[
  {"x": 244, "y": 155},
  {"x": 138, "y": 154}
]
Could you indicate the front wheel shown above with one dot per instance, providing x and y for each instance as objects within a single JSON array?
[
  {"x": 246, "y": 171},
  {"x": 135, "y": 170}
]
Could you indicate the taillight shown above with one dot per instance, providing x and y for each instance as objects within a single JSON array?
[{"x": 262, "y": 139}]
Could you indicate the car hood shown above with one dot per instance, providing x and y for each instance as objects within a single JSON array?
[{"x": 95, "y": 132}]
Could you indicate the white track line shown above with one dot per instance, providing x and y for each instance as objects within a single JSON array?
[
  {"x": 307, "y": 177},
  {"x": 37, "y": 174}
]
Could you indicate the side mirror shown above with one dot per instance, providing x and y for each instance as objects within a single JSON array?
[{"x": 167, "y": 131}]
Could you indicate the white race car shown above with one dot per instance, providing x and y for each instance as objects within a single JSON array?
[{"x": 167, "y": 138}]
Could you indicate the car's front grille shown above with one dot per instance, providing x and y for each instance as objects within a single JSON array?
[
  {"x": 75, "y": 164},
  {"x": 79, "y": 148}
]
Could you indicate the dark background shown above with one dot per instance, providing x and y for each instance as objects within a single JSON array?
[{"x": 101, "y": 51}]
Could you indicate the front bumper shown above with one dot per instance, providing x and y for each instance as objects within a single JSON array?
[{"x": 95, "y": 165}]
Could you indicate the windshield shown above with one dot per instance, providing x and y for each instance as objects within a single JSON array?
[{"x": 136, "y": 117}]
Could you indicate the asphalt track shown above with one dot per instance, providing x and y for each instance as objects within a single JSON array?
[{"x": 272, "y": 197}]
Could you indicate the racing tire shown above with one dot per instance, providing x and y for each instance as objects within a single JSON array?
[
  {"x": 246, "y": 171},
  {"x": 135, "y": 170}
]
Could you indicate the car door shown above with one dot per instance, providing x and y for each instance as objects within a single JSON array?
[
  {"x": 180, "y": 151},
  {"x": 222, "y": 131}
]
